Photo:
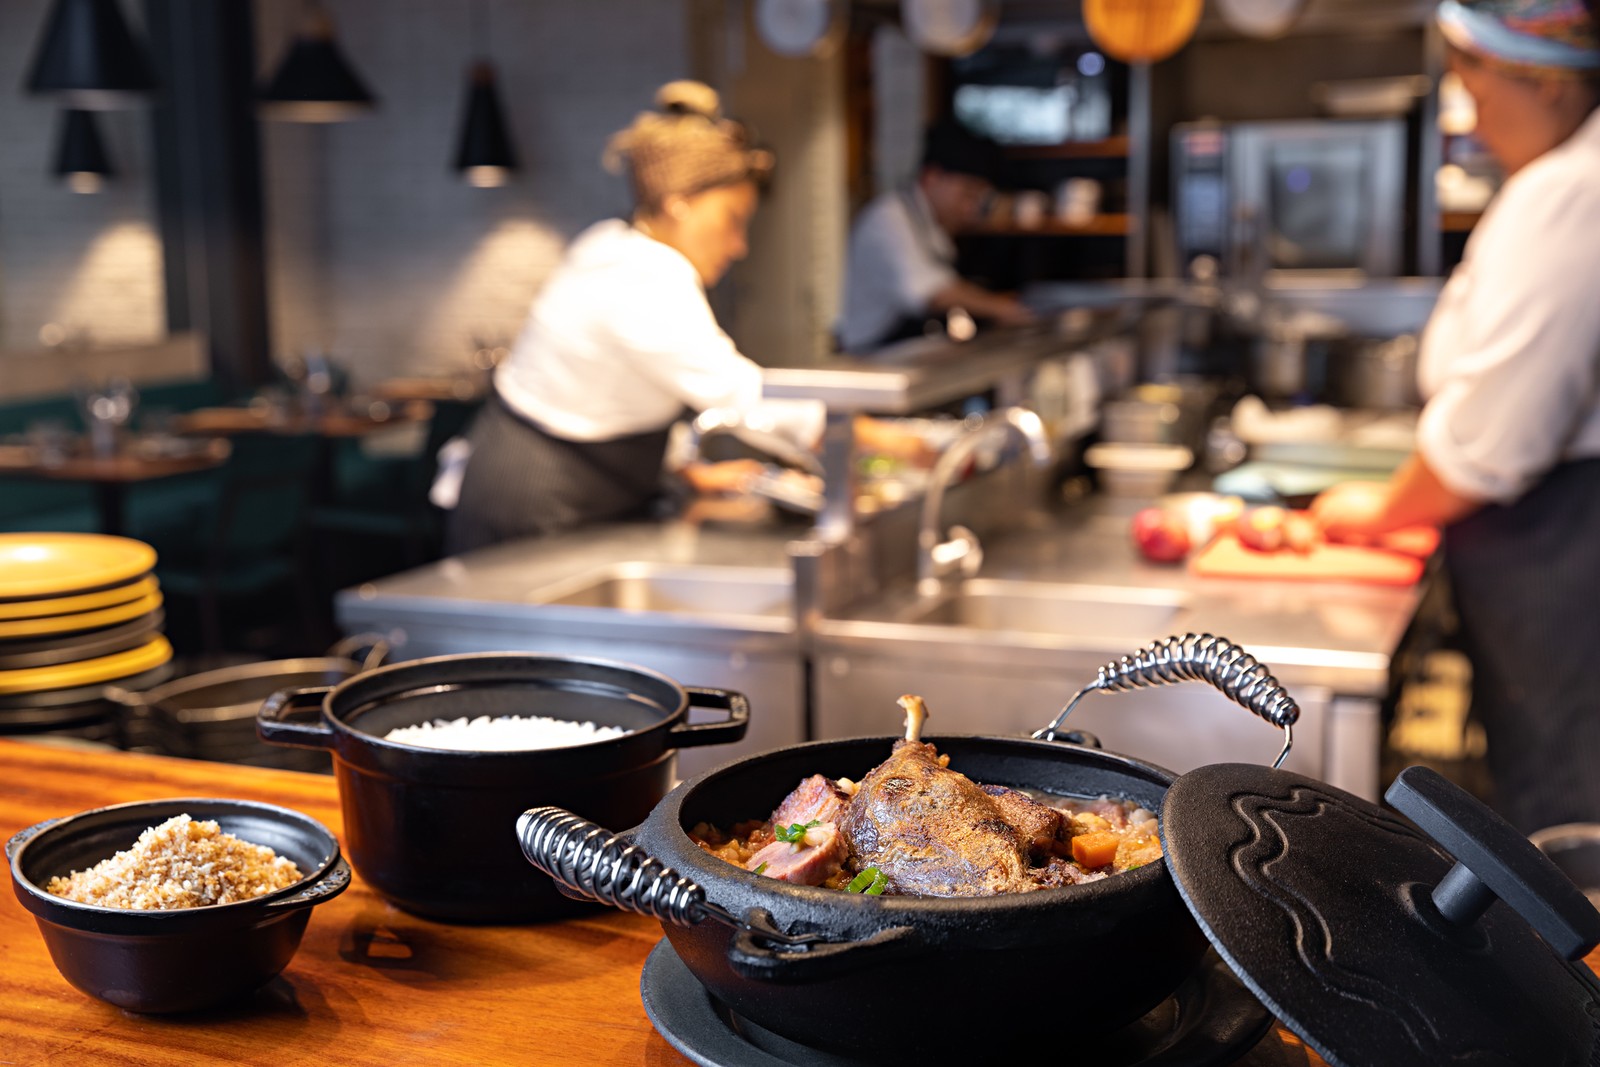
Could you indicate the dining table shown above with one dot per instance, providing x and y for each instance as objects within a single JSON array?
[
  {"x": 330, "y": 424},
  {"x": 370, "y": 984},
  {"x": 332, "y": 420},
  {"x": 110, "y": 475}
]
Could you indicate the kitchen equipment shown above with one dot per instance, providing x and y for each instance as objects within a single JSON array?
[
  {"x": 1262, "y": 18},
  {"x": 428, "y": 828},
  {"x": 1142, "y": 422},
  {"x": 1211, "y": 1019},
  {"x": 1399, "y": 560},
  {"x": 1376, "y": 374},
  {"x": 1137, "y": 470},
  {"x": 212, "y": 715},
  {"x": 950, "y": 27},
  {"x": 1291, "y": 199},
  {"x": 1290, "y": 484},
  {"x": 29, "y": 712},
  {"x": 1289, "y": 877},
  {"x": 184, "y": 959},
  {"x": 1289, "y": 360},
  {"x": 1575, "y": 848},
  {"x": 899, "y": 954}
]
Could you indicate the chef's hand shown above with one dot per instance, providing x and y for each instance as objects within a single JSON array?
[
  {"x": 1009, "y": 311},
  {"x": 732, "y": 476},
  {"x": 1354, "y": 512}
]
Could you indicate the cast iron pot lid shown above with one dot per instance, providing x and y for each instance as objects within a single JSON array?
[{"x": 1375, "y": 944}]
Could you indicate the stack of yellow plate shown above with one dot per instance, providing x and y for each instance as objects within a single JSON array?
[{"x": 77, "y": 612}]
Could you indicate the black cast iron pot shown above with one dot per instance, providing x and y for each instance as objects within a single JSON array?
[
  {"x": 429, "y": 828},
  {"x": 974, "y": 977},
  {"x": 184, "y": 959}
]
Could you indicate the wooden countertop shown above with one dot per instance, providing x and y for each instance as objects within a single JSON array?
[{"x": 370, "y": 985}]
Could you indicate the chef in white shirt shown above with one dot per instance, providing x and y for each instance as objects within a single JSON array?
[
  {"x": 621, "y": 341},
  {"x": 1508, "y": 445},
  {"x": 900, "y": 277}
]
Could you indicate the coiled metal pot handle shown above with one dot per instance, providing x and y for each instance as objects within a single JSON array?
[
  {"x": 1196, "y": 657},
  {"x": 593, "y": 863},
  {"x": 599, "y": 865}
]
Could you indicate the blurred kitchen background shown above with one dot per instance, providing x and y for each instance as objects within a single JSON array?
[{"x": 1235, "y": 244}]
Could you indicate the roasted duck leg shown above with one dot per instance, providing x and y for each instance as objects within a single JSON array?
[{"x": 931, "y": 830}]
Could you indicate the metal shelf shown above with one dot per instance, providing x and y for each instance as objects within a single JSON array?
[{"x": 1108, "y": 225}]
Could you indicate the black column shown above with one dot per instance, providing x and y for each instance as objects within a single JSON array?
[{"x": 208, "y": 181}]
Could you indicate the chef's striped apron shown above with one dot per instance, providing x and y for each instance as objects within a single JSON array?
[
  {"x": 1526, "y": 579},
  {"x": 524, "y": 482}
]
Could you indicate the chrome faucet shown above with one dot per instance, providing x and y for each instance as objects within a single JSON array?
[
  {"x": 752, "y": 432},
  {"x": 936, "y": 556}
]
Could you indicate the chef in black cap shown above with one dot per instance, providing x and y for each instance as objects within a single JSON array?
[{"x": 900, "y": 278}]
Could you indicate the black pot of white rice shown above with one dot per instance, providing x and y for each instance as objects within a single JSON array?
[{"x": 435, "y": 759}]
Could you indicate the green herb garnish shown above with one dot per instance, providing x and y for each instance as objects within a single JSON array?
[
  {"x": 794, "y": 833},
  {"x": 870, "y": 881},
  {"x": 761, "y": 869}
]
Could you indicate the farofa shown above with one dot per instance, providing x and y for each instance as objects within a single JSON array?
[{"x": 179, "y": 864}]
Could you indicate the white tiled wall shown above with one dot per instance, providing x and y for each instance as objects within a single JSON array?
[
  {"x": 91, "y": 264},
  {"x": 380, "y": 253}
]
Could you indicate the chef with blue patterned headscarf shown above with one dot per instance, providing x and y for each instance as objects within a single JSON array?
[
  {"x": 1508, "y": 445},
  {"x": 1508, "y": 455}
]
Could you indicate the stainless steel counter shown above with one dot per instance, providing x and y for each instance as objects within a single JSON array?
[
  {"x": 503, "y": 591},
  {"x": 1333, "y": 634},
  {"x": 988, "y": 670},
  {"x": 564, "y": 596},
  {"x": 1330, "y": 643}
]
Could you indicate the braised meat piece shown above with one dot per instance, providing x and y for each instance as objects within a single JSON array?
[
  {"x": 931, "y": 830},
  {"x": 1039, "y": 824},
  {"x": 812, "y": 810},
  {"x": 817, "y": 799},
  {"x": 812, "y": 860}
]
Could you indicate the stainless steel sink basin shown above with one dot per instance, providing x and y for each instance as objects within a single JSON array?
[
  {"x": 722, "y": 593},
  {"x": 1130, "y": 615}
]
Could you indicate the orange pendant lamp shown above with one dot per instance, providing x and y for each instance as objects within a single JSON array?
[{"x": 1141, "y": 31}]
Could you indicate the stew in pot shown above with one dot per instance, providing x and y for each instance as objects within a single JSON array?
[{"x": 913, "y": 825}]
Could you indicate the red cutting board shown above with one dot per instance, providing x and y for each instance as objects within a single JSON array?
[{"x": 1398, "y": 560}]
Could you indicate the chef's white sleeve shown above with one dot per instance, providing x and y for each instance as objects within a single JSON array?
[
  {"x": 916, "y": 274},
  {"x": 1523, "y": 379},
  {"x": 674, "y": 339}
]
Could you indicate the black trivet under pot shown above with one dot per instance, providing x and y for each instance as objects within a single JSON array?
[{"x": 1210, "y": 1021}]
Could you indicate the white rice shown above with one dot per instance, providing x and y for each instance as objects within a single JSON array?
[{"x": 507, "y": 733}]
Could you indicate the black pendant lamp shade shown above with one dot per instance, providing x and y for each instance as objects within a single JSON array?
[
  {"x": 81, "y": 159},
  {"x": 485, "y": 157},
  {"x": 315, "y": 83},
  {"x": 90, "y": 57}
]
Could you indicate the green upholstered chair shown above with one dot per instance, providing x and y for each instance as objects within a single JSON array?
[
  {"x": 388, "y": 498},
  {"x": 253, "y": 529}
]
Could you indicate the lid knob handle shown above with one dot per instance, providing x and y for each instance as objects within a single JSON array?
[{"x": 1494, "y": 861}]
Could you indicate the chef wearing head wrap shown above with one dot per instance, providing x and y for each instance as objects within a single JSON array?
[
  {"x": 621, "y": 340},
  {"x": 900, "y": 277},
  {"x": 1508, "y": 445}
]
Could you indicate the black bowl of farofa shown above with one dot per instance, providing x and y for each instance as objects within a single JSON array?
[{"x": 165, "y": 960}]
